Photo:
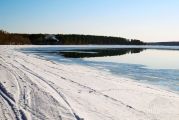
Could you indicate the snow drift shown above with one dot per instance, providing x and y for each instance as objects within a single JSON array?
[{"x": 34, "y": 88}]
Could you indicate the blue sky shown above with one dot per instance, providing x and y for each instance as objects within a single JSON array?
[{"x": 147, "y": 20}]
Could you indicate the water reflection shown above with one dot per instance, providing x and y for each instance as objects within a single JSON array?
[
  {"x": 158, "y": 67},
  {"x": 98, "y": 52}
]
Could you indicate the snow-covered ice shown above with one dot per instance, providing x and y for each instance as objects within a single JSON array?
[{"x": 33, "y": 88}]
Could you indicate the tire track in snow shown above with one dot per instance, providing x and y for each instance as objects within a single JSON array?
[
  {"x": 8, "y": 98},
  {"x": 75, "y": 115},
  {"x": 90, "y": 89},
  {"x": 115, "y": 101},
  {"x": 58, "y": 92},
  {"x": 21, "y": 94},
  {"x": 128, "y": 106},
  {"x": 95, "y": 91},
  {"x": 12, "y": 105}
]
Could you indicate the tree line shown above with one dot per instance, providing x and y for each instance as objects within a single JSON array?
[
  {"x": 12, "y": 39},
  {"x": 98, "y": 40},
  {"x": 61, "y": 39}
]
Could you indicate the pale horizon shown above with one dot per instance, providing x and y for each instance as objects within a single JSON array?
[{"x": 149, "y": 21}]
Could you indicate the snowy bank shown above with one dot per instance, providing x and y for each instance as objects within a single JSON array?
[{"x": 35, "y": 88}]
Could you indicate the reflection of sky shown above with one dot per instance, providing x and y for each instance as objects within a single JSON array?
[
  {"x": 159, "y": 59},
  {"x": 168, "y": 78},
  {"x": 162, "y": 65}
]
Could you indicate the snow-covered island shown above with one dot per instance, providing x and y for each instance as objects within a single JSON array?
[{"x": 33, "y": 88}]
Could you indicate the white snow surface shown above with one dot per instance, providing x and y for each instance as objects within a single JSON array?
[{"x": 32, "y": 88}]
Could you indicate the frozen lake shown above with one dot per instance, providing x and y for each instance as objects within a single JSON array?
[{"x": 157, "y": 65}]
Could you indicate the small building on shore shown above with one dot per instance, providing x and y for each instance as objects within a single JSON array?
[{"x": 51, "y": 39}]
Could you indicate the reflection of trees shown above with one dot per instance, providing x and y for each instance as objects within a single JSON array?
[
  {"x": 99, "y": 52},
  {"x": 137, "y": 50}
]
